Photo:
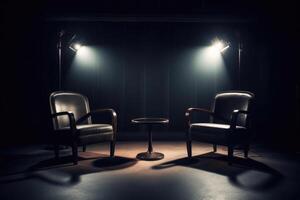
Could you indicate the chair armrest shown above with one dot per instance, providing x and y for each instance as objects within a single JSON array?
[
  {"x": 106, "y": 110},
  {"x": 70, "y": 116},
  {"x": 190, "y": 110},
  {"x": 211, "y": 113},
  {"x": 234, "y": 117}
]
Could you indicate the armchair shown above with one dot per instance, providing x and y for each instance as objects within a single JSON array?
[
  {"x": 72, "y": 123},
  {"x": 229, "y": 123}
]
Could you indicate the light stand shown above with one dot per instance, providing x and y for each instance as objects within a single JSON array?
[
  {"x": 239, "y": 64},
  {"x": 59, "y": 51},
  {"x": 73, "y": 45},
  {"x": 59, "y": 48}
]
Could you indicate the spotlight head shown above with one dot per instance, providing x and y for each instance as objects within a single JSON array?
[
  {"x": 220, "y": 45},
  {"x": 75, "y": 46}
]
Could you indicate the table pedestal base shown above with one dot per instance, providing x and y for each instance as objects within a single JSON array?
[{"x": 150, "y": 156}]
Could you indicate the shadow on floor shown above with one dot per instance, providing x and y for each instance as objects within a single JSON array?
[
  {"x": 260, "y": 176},
  {"x": 63, "y": 172}
]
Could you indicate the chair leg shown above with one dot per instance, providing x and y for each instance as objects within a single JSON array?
[
  {"x": 112, "y": 148},
  {"x": 75, "y": 153},
  {"x": 215, "y": 147},
  {"x": 84, "y": 148},
  {"x": 230, "y": 155},
  {"x": 189, "y": 148},
  {"x": 246, "y": 150},
  {"x": 56, "y": 151}
]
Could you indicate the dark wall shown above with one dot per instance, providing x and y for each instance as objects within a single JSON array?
[{"x": 21, "y": 95}]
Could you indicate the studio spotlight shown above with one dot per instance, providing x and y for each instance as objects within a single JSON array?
[
  {"x": 220, "y": 45},
  {"x": 75, "y": 46}
]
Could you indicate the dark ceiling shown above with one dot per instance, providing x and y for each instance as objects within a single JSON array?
[{"x": 195, "y": 8}]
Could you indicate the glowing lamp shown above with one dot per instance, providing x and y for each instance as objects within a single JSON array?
[
  {"x": 75, "y": 46},
  {"x": 220, "y": 46}
]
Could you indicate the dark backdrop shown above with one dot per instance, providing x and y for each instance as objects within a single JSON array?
[{"x": 146, "y": 68}]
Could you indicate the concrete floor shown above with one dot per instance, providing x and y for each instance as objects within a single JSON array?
[{"x": 32, "y": 173}]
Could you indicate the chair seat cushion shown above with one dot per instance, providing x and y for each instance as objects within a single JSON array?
[
  {"x": 87, "y": 134},
  {"x": 213, "y": 126},
  {"x": 217, "y": 133},
  {"x": 87, "y": 129},
  {"x": 95, "y": 138}
]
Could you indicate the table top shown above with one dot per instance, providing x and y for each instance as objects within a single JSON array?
[{"x": 150, "y": 120}]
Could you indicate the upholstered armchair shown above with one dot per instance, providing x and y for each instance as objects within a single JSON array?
[
  {"x": 72, "y": 123},
  {"x": 229, "y": 123}
]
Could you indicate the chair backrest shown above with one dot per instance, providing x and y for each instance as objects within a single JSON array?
[
  {"x": 226, "y": 102},
  {"x": 76, "y": 103}
]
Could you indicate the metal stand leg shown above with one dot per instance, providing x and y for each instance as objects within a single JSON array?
[
  {"x": 215, "y": 147},
  {"x": 150, "y": 148},
  {"x": 150, "y": 155}
]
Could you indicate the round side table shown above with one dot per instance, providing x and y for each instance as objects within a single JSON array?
[{"x": 149, "y": 122}]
